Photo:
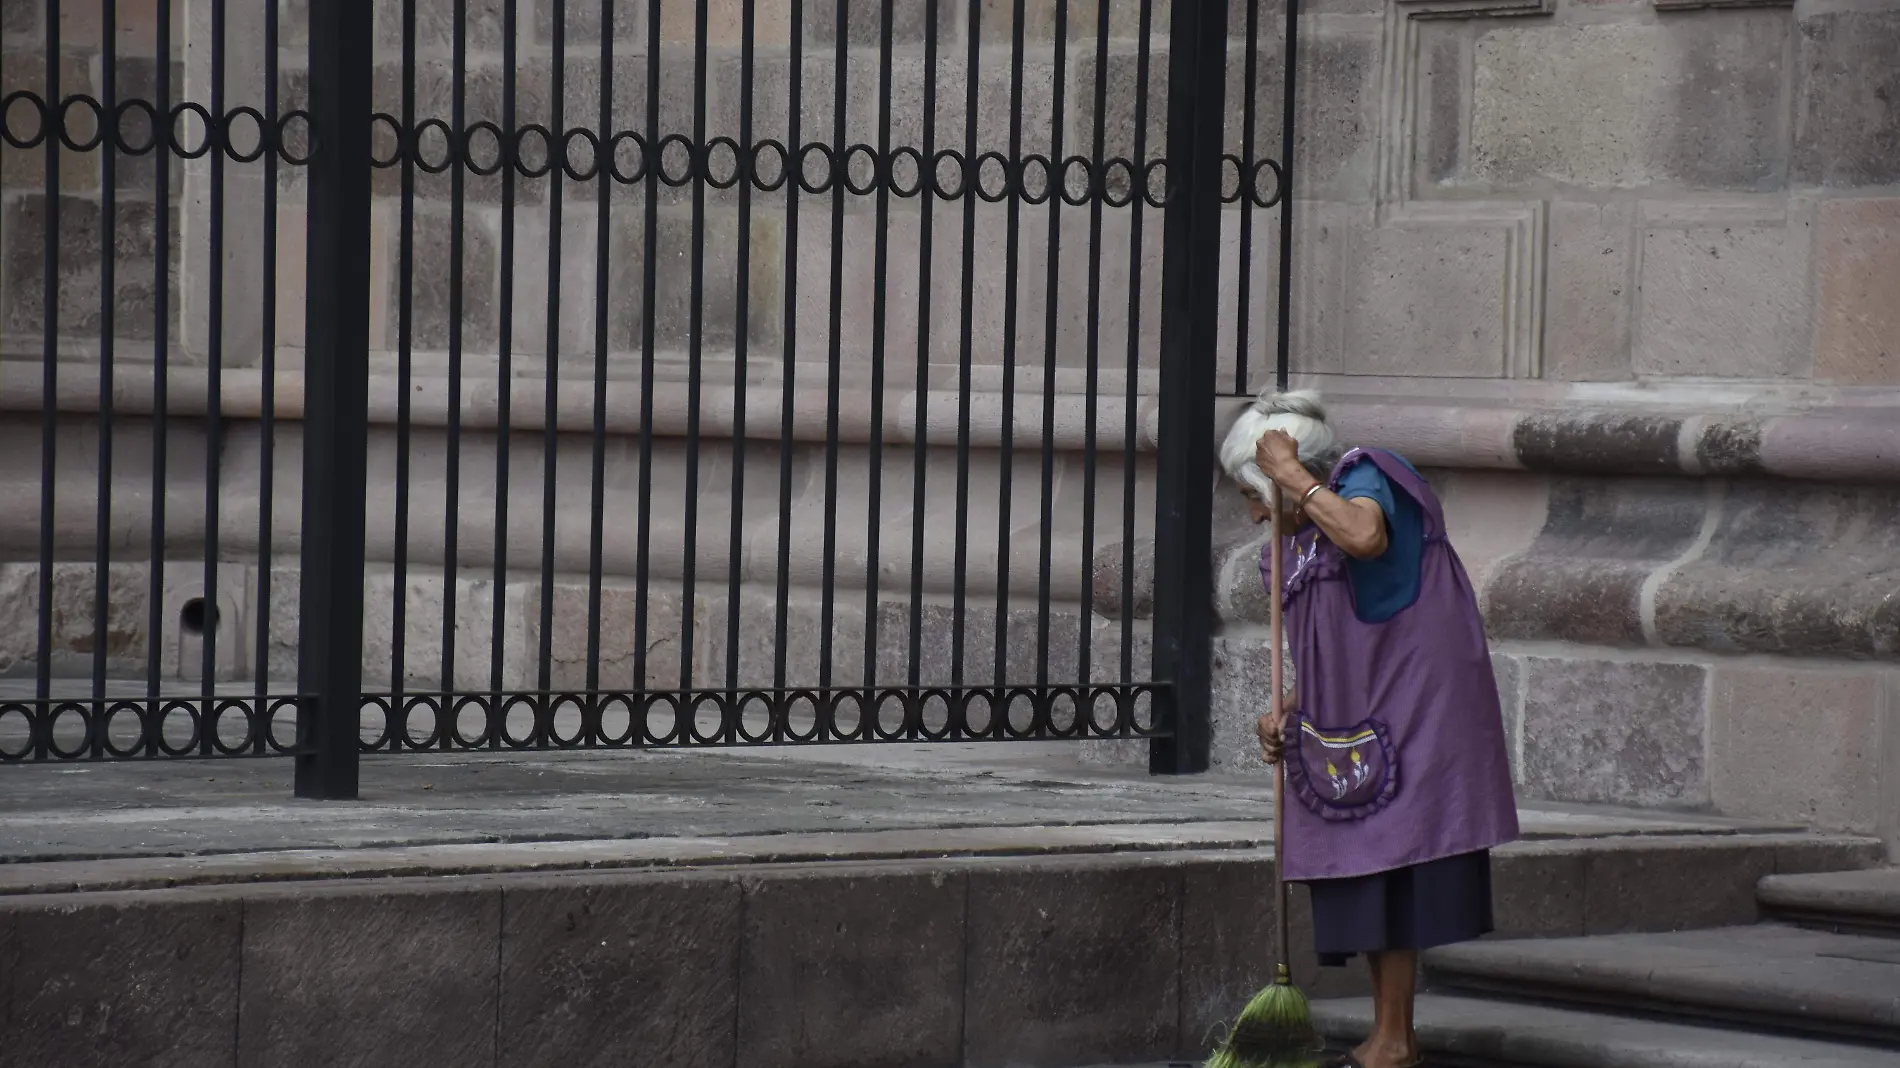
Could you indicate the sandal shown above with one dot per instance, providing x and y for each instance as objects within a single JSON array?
[{"x": 1347, "y": 1060}]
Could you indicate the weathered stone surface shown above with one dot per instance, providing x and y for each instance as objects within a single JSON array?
[
  {"x": 1110, "y": 590},
  {"x": 577, "y": 953},
  {"x": 582, "y": 23},
  {"x": 371, "y": 977},
  {"x": 1765, "y": 584},
  {"x": 1847, "y": 125},
  {"x": 1429, "y": 301},
  {"x": 25, "y": 169},
  {"x": 1725, "y": 301},
  {"x": 1694, "y": 102},
  {"x": 1509, "y": 674},
  {"x": 864, "y": 23},
  {"x": 1082, "y": 985},
  {"x": 1587, "y": 317},
  {"x": 1582, "y": 579},
  {"x": 80, "y": 259},
  {"x": 1857, "y": 335},
  {"x": 113, "y": 982},
  {"x": 673, "y": 280},
  {"x": 1538, "y": 891},
  {"x": 1800, "y": 745},
  {"x": 1606, "y": 443},
  {"x": 843, "y": 971},
  {"x": 441, "y": 280},
  {"x": 138, "y": 80},
  {"x": 20, "y": 17},
  {"x": 1228, "y": 916},
  {"x": 1663, "y": 885},
  {"x": 1615, "y": 732},
  {"x": 1242, "y": 684},
  {"x": 436, "y": 23}
]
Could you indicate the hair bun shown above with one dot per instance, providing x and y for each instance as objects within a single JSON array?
[{"x": 1304, "y": 403}]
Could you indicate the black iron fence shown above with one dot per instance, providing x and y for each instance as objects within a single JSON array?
[{"x": 663, "y": 374}]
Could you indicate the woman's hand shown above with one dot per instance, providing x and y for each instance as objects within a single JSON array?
[
  {"x": 1271, "y": 729},
  {"x": 1278, "y": 457}
]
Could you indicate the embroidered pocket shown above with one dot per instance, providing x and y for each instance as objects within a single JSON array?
[{"x": 1342, "y": 774}]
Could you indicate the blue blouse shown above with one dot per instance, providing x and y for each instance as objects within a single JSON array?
[{"x": 1387, "y": 584}]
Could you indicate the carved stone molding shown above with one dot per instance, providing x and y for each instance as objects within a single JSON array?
[{"x": 1695, "y": 5}]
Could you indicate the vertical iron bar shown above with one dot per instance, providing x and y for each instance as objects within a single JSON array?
[
  {"x": 108, "y": 299},
  {"x": 1289, "y": 111},
  {"x": 735, "y": 555},
  {"x": 267, "y": 420},
  {"x": 840, "y": 169},
  {"x": 161, "y": 393},
  {"x": 1012, "y": 257},
  {"x": 1098, "y": 188},
  {"x": 452, "y": 454},
  {"x": 597, "y": 516},
  {"x": 405, "y": 387},
  {"x": 49, "y": 383},
  {"x": 505, "y": 366},
  {"x": 689, "y": 565},
  {"x": 796, "y": 168},
  {"x": 551, "y": 411},
  {"x": 927, "y": 203},
  {"x": 959, "y": 569},
  {"x": 336, "y": 386},
  {"x": 874, "y": 460},
  {"x": 643, "y": 549},
  {"x": 1243, "y": 289},
  {"x": 1197, "y": 53},
  {"x": 214, "y": 388},
  {"x": 1138, "y": 201},
  {"x": 1052, "y": 305}
]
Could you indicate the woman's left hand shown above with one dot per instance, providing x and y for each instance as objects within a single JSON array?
[{"x": 1278, "y": 457}]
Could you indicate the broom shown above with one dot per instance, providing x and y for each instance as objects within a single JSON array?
[{"x": 1275, "y": 1030}]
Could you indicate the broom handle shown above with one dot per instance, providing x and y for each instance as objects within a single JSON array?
[{"x": 1275, "y": 613}]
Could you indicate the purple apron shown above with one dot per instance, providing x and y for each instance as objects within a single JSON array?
[{"x": 1397, "y": 753}]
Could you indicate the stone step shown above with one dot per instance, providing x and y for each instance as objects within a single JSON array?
[
  {"x": 1465, "y": 1032},
  {"x": 1864, "y": 901},
  {"x": 1767, "y": 977}
]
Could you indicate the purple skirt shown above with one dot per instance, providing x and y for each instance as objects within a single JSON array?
[{"x": 1417, "y": 907}]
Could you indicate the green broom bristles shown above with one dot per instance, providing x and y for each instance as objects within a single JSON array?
[{"x": 1275, "y": 1030}]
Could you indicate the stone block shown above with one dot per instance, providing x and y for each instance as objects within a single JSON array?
[
  {"x": 1228, "y": 917},
  {"x": 441, "y": 280},
  {"x": 81, "y": 29},
  {"x": 81, "y": 254},
  {"x": 1725, "y": 301},
  {"x": 1857, "y": 336},
  {"x": 1048, "y": 984},
  {"x": 1797, "y": 745},
  {"x": 1655, "y": 885},
  {"x": 1443, "y": 98},
  {"x": 576, "y": 263},
  {"x": 25, "y": 169},
  {"x": 673, "y": 280},
  {"x": 436, "y": 23},
  {"x": 910, "y": 20},
  {"x": 1538, "y": 891},
  {"x": 577, "y": 952},
  {"x": 1508, "y": 674},
  {"x": 804, "y": 663},
  {"x": 843, "y": 971},
  {"x": 1614, "y": 732},
  {"x": 138, "y": 79},
  {"x": 1587, "y": 314},
  {"x": 1429, "y": 301},
  {"x": 371, "y": 976},
  {"x": 1602, "y": 443},
  {"x": 117, "y": 981},
  {"x": 20, "y": 18},
  {"x": 582, "y": 23},
  {"x": 1846, "y": 125},
  {"x": 1242, "y": 684},
  {"x": 1693, "y": 102},
  {"x": 725, "y": 22}
]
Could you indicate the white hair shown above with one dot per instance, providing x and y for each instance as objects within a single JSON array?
[{"x": 1300, "y": 416}]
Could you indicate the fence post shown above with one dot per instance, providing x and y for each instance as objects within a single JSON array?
[
  {"x": 1190, "y": 305},
  {"x": 336, "y": 400}
]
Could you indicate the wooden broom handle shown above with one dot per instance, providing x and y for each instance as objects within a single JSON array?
[{"x": 1276, "y": 672}]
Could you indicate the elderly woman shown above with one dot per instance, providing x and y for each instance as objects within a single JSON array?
[{"x": 1392, "y": 735}]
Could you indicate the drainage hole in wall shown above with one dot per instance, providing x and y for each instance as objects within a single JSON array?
[{"x": 196, "y": 616}]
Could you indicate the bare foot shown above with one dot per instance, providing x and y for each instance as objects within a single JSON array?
[{"x": 1381, "y": 1052}]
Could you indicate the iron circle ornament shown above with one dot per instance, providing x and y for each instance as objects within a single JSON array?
[
  {"x": 190, "y": 107},
  {"x": 1098, "y": 698},
  {"x": 697, "y": 703},
  {"x": 1033, "y": 708},
  {"x": 503, "y": 719},
  {"x": 813, "y": 710},
  {"x": 1279, "y": 183},
  {"x": 283, "y": 139},
  {"x": 732, "y": 150},
  {"x": 804, "y": 168},
  {"x": 1129, "y": 180},
  {"x": 1148, "y": 171},
  {"x": 39, "y": 109},
  {"x": 66, "y": 137},
  {"x": 975, "y": 179},
  {"x": 1140, "y": 700},
  {"x": 405, "y": 729},
  {"x": 30, "y": 730},
  {"x": 194, "y": 720},
  {"x": 224, "y": 708},
  {"x": 746, "y": 701},
  {"x": 519, "y": 160},
  {"x": 834, "y": 713},
  {"x": 415, "y": 149},
  {"x": 245, "y": 111},
  {"x": 476, "y": 167},
  {"x": 277, "y": 707},
  {"x": 607, "y": 702},
  {"x": 876, "y": 163},
  {"x": 1056, "y": 701},
  {"x": 152, "y": 124},
  {"x": 977, "y": 723},
  {"x": 1048, "y": 187},
  {"x": 907, "y": 715},
  {"x": 675, "y": 731},
  {"x": 693, "y": 160},
  {"x": 896, "y": 185},
  {"x": 960, "y": 168},
  {"x": 755, "y": 173},
  {"x": 579, "y": 133},
  {"x": 614, "y": 145},
  {"x": 582, "y": 706},
  {"x": 376, "y": 122},
  {"x": 452, "y": 709},
  {"x": 1090, "y": 186},
  {"x": 940, "y": 701},
  {"x": 51, "y": 729},
  {"x": 112, "y": 713}
]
